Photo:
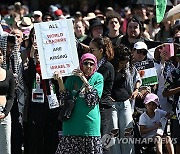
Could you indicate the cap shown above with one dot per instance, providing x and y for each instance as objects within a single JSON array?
[
  {"x": 109, "y": 8},
  {"x": 78, "y": 13},
  {"x": 58, "y": 12},
  {"x": 151, "y": 98},
  {"x": 53, "y": 8},
  {"x": 95, "y": 22},
  {"x": 140, "y": 45},
  {"x": 39, "y": 13}
]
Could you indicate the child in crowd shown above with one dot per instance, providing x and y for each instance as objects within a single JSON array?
[{"x": 150, "y": 121}]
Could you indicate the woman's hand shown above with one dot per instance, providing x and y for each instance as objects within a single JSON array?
[
  {"x": 78, "y": 72},
  {"x": 57, "y": 75},
  {"x": 134, "y": 94},
  {"x": 2, "y": 115},
  {"x": 163, "y": 57}
]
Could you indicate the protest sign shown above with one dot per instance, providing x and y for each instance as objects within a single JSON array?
[
  {"x": 56, "y": 47},
  {"x": 147, "y": 72}
]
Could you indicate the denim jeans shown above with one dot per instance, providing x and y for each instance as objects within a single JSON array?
[
  {"x": 122, "y": 120},
  {"x": 5, "y": 134}
]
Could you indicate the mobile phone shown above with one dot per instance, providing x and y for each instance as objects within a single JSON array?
[{"x": 168, "y": 49}]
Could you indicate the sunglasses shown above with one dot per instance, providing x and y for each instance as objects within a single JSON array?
[
  {"x": 48, "y": 18},
  {"x": 142, "y": 51},
  {"x": 88, "y": 63}
]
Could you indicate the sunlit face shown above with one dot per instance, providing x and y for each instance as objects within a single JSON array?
[
  {"x": 151, "y": 106},
  {"x": 37, "y": 18},
  {"x": 19, "y": 35},
  {"x": 98, "y": 53},
  {"x": 139, "y": 55},
  {"x": 47, "y": 18},
  {"x": 133, "y": 29},
  {"x": 113, "y": 24},
  {"x": 88, "y": 67},
  {"x": 79, "y": 29},
  {"x": 122, "y": 64},
  {"x": 1, "y": 56},
  {"x": 97, "y": 31}
]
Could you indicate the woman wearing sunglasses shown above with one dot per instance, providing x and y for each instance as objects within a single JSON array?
[
  {"x": 145, "y": 65},
  {"x": 81, "y": 133}
]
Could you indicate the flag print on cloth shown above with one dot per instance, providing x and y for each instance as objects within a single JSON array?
[{"x": 147, "y": 72}]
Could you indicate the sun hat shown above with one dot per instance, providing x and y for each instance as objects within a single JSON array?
[
  {"x": 151, "y": 98},
  {"x": 90, "y": 16},
  {"x": 25, "y": 23},
  {"x": 140, "y": 45}
]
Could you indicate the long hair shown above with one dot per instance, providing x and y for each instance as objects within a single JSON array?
[
  {"x": 133, "y": 19},
  {"x": 122, "y": 53},
  {"x": 4, "y": 39},
  {"x": 105, "y": 44}
]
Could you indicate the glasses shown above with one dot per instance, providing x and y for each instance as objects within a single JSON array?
[
  {"x": 141, "y": 51},
  {"x": 48, "y": 18},
  {"x": 88, "y": 63}
]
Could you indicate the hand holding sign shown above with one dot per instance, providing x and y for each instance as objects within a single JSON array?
[
  {"x": 56, "y": 47},
  {"x": 164, "y": 51}
]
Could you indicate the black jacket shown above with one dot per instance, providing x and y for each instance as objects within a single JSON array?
[{"x": 107, "y": 70}]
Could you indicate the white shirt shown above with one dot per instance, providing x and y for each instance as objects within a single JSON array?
[{"x": 145, "y": 120}]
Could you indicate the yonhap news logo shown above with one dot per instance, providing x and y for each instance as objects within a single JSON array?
[{"x": 109, "y": 140}]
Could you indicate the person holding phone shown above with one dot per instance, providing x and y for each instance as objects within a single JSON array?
[{"x": 164, "y": 67}]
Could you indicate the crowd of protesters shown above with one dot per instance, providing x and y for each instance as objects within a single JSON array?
[{"x": 114, "y": 93}]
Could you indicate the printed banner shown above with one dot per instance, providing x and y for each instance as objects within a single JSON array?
[
  {"x": 56, "y": 47},
  {"x": 147, "y": 72}
]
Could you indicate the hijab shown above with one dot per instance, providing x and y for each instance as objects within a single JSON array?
[{"x": 88, "y": 56}]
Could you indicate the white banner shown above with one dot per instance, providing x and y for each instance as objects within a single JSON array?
[{"x": 56, "y": 47}]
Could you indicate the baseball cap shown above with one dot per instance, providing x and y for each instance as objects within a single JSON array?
[
  {"x": 38, "y": 13},
  {"x": 140, "y": 45},
  {"x": 58, "y": 12},
  {"x": 151, "y": 98}
]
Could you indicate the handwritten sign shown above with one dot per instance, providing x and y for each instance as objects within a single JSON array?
[{"x": 56, "y": 47}]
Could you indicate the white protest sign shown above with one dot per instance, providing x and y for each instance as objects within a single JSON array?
[{"x": 56, "y": 47}]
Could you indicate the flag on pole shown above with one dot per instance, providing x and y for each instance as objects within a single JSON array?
[{"x": 160, "y": 9}]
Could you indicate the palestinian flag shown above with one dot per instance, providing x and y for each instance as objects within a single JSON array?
[{"x": 147, "y": 72}]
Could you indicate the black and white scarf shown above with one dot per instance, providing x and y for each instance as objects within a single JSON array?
[
  {"x": 101, "y": 62},
  {"x": 14, "y": 57},
  {"x": 15, "y": 64}
]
